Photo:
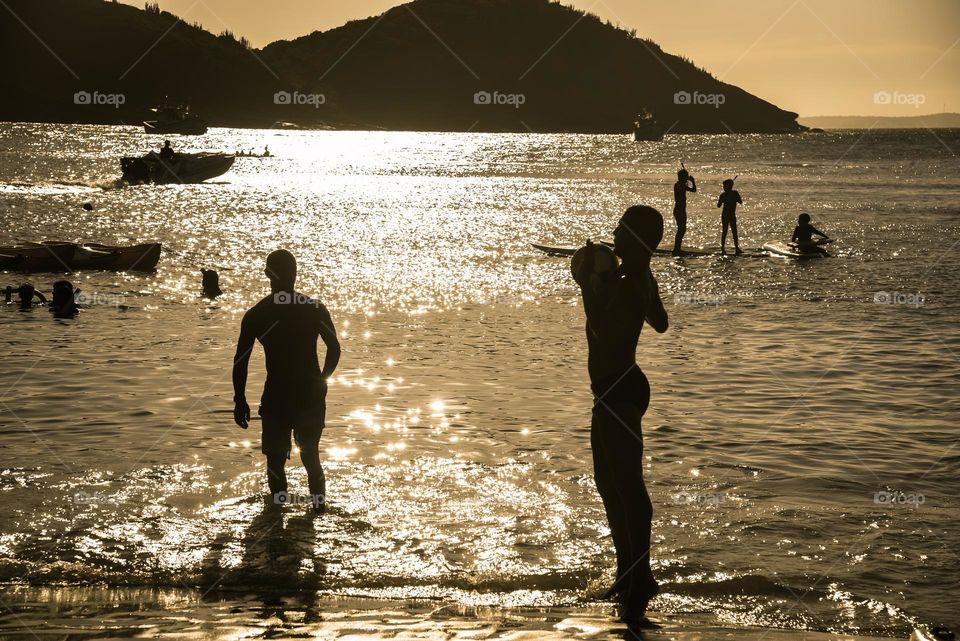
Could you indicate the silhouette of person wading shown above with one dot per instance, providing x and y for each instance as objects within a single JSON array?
[
  {"x": 617, "y": 302},
  {"x": 288, "y": 324}
]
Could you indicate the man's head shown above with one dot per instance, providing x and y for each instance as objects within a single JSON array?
[
  {"x": 166, "y": 143},
  {"x": 26, "y": 292},
  {"x": 683, "y": 175},
  {"x": 281, "y": 270},
  {"x": 804, "y": 219},
  {"x": 728, "y": 184},
  {"x": 638, "y": 234}
]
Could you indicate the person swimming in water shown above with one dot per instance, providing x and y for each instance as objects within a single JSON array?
[
  {"x": 803, "y": 236},
  {"x": 288, "y": 324},
  {"x": 616, "y": 308},
  {"x": 210, "y": 283},
  {"x": 25, "y": 294},
  {"x": 64, "y": 303},
  {"x": 729, "y": 200},
  {"x": 685, "y": 183}
]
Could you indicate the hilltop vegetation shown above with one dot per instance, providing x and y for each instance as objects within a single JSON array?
[{"x": 487, "y": 65}]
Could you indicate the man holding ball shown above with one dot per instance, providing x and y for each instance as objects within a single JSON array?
[{"x": 618, "y": 299}]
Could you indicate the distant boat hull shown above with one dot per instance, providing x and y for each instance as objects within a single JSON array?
[
  {"x": 182, "y": 169},
  {"x": 648, "y": 131}
]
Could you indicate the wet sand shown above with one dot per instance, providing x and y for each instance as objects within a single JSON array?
[{"x": 71, "y": 613}]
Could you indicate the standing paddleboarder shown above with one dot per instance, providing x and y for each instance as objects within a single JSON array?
[
  {"x": 685, "y": 182},
  {"x": 729, "y": 200},
  {"x": 617, "y": 301}
]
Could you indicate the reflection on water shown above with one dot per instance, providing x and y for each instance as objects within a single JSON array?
[{"x": 457, "y": 446}]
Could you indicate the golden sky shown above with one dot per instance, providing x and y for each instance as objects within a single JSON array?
[{"x": 815, "y": 57}]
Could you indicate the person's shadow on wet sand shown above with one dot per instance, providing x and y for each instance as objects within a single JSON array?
[{"x": 279, "y": 563}]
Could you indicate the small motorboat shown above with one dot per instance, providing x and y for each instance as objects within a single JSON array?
[
  {"x": 181, "y": 169},
  {"x": 646, "y": 127},
  {"x": 175, "y": 120}
]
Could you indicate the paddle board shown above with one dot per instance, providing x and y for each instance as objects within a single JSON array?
[{"x": 788, "y": 250}]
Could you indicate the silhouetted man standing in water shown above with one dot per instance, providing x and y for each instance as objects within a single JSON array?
[
  {"x": 288, "y": 324},
  {"x": 617, "y": 305},
  {"x": 685, "y": 183}
]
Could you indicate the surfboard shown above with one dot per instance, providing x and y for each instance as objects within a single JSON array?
[
  {"x": 563, "y": 250},
  {"x": 788, "y": 250}
]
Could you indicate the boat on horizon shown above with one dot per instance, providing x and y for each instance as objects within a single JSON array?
[
  {"x": 175, "y": 120},
  {"x": 646, "y": 128}
]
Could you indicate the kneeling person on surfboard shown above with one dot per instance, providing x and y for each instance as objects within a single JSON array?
[
  {"x": 729, "y": 200},
  {"x": 803, "y": 235},
  {"x": 288, "y": 324},
  {"x": 617, "y": 301}
]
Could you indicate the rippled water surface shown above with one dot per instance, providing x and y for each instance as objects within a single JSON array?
[{"x": 785, "y": 396}]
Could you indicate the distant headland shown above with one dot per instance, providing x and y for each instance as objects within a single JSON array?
[
  {"x": 438, "y": 65},
  {"x": 928, "y": 121}
]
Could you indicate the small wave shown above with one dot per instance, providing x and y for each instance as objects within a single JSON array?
[{"x": 69, "y": 187}]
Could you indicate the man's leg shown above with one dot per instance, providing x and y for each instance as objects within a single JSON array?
[
  {"x": 627, "y": 463},
  {"x": 315, "y": 477},
  {"x": 308, "y": 431},
  {"x": 736, "y": 239},
  {"x": 276, "y": 475},
  {"x": 681, "y": 219},
  {"x": 275, "y": 445},
  {"x": 605, "y": 478},
  {"x": 723, "y": 235}
]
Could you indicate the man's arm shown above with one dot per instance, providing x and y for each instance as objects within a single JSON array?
[
  {"x": 693, "y": 185},
  {"x": 739, "y": 199},
  {"x": 329, "y": 335},
  {"x": 818, "y": 232},
  {"x": 720, "y": 201},
  {"x": 241, "y": 410},
  {"x": 794, "y": 237},
  {"x": 656, "y": 314}
]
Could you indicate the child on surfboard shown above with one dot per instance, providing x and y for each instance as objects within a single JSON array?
[
  {"x": 803, "y": 236},
  {"x": 729, "y": 200}
]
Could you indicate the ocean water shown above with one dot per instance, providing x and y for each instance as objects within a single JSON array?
[{"x": 801, "y": 443}]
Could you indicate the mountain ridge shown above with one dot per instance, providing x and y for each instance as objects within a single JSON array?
[{"x": 477, "y": 65}]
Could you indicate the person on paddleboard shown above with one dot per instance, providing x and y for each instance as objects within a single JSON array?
[
  {"x": 616, "y": 306},
  {"x": 685, "y": 182},
  {"x": 288, "y": 324},
  {"x": 729, "y": 199},
  {"x": 803, "y": 235}
]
